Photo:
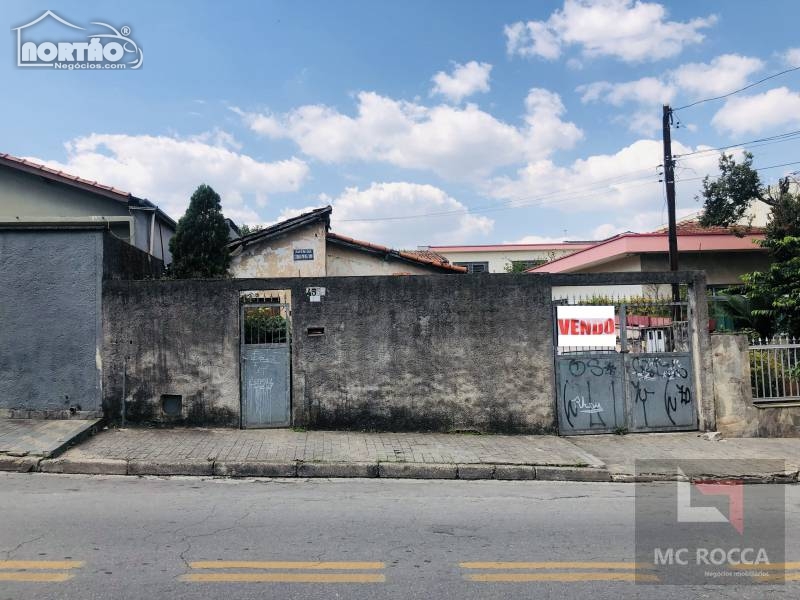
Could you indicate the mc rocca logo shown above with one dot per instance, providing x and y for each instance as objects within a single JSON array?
[
  {"x": 109, "y": 48},
  {"x": 733, "y": 489}
]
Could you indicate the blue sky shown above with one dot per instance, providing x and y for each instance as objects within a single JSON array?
[{"x": 421, "y": 122}]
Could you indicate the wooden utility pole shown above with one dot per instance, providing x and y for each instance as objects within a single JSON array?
[{"x": 669, "y": 182}]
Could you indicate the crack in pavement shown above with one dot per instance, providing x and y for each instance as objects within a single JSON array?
[{"x": 9, "y": 553}]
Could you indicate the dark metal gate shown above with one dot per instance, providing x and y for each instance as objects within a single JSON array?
[
  {"x": 265, "y": 356},
  {"x": 645, "y": 383}
]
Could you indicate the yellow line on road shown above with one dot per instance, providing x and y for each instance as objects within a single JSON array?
[
  {"x": 552, "y": 565},
  {"x": 283, "y": 578},
  {"x": 563, "y": 577},
  {"x": 250, "y": 564},
  {"x": 41, "y": 564},
  {"x": 36, "y": 577}
]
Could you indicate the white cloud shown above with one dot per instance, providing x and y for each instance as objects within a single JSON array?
[
  {"x": 624, "y": 182},
  {"x": 533, "y": 38},
  {"x": 792, "y": 57},
  {"x": 630, "y": 30},
  {"x": 723, "y": 74},
  {"x": 466, "y": 80},
  {"x": 354, "y": 211},
  {"x": 166, "y": 170},
  {"x": 639, "y": 222},
  {"x": 759, "y": 113},
  {"x": 536, "y": 239},
  {"x": 647, "y": 90},
  {"x": 456, "y": 143}
]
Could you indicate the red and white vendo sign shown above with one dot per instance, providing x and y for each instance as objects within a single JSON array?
[{"x": 586, "y": 326}]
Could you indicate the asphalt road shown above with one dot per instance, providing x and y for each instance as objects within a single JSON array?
[{"x": 146, "y": 538}]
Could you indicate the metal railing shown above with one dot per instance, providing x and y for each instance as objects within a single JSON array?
[{"x": 775, "y": 369}]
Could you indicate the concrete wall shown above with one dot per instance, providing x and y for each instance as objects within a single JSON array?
[
  {"x": 737, "y": 415},
  {"x": 50, "y": 299},
  {"x": 434, "y": 352},
  {"x": 275, "y": 257},
  {"x": 342, "y": 262}
]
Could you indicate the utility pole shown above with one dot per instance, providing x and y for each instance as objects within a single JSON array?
[{"x": 669, "y": 182}]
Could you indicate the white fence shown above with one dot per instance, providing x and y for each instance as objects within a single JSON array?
[{"x": 775, "y": 369}]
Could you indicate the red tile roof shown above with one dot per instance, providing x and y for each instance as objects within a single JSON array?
[
  {"x": 29, "y": 166},
  {"x": 692, "y": 226},
  {"x": 421, "y": 257}
]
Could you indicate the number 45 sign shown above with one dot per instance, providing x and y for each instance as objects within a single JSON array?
[{"x": 315, "y": 294}]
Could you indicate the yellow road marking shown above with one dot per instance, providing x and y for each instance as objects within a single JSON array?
[
  {"x": 552, "y": 565},
  {"x": 36, "y": 577},
  {"x": 250, "y": 564},
  {"x": 283, "y": 578},
  {"x": 41, "y": 564},
  {"x": 563, "y": 577}
]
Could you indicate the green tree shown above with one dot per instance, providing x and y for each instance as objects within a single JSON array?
[
  {"x": 199, "y": 246},
  {"x": 248, "y": 229},
  {"x": 726, "y": 198}
]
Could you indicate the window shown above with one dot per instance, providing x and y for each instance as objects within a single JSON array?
[{"x": 474, "y": 267}]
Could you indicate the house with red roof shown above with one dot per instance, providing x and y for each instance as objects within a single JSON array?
[
  {"x": 725, "y": 254},
  {"x": 304, "y": 246}
]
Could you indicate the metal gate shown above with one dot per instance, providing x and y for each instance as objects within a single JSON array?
[
  {"x": 646, "y": 383},
  {"x": 265, "y": 368}
]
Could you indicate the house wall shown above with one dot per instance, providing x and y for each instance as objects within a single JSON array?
[
  {"x": 342, "y": 261},
  {"x": 415, "y": 353},
  {"x": 275, "y": 257},
  {"x": 722, "y": 268},
  {"x": 624, "y": 264},
  {"x": 50, "y": 299},
  {"x": 499, "y": 260}
]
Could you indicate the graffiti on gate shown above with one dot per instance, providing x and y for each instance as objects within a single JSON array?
[
  {"x": 589, "y": 392},
  {"x": 654, "y": 378}
]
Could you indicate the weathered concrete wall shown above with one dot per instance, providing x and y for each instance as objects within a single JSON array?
[
  {"x": 275, "y": 257},
  {"x": 737, "y": 415},
  {"x": 50, "y": 298},
  {"x": 342, "y": 262},
  {"x": 171, "y": 338},
  {"x": 428, "y": 352}
]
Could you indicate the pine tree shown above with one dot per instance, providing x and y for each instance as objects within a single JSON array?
[{"x": 199, "y": 246}]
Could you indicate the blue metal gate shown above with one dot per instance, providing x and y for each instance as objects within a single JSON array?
[
  {"x": 646, "y": 383},
  {"x": 265, "y": 368}
]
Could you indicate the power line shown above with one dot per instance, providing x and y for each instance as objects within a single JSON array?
[
  {"x": 524, "y": 201},
  {"x": 774, "y": 139},
  {"x": 747, "y": 87},
  {"x": 797, "y": 162}
]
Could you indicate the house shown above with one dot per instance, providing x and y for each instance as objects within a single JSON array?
[
  {"x": 725, "y": 254},
  {"x": 61, "y": 238},
  {"x": 502, "y": 258},
  {"x": 34, "y": 195},
  {"x": 304, "y": 246}
]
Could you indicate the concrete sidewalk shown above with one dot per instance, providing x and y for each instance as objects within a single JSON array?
[
  {"x": 286, "y": 453},
  {"x": 23, "y": 442}
]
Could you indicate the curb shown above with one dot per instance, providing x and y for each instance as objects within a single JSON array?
[{"x": 361, "y": 470}]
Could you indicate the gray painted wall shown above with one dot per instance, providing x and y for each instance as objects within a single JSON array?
[
  {"x": 50, "y": 300},
  {"x": 412, "y": 352}
]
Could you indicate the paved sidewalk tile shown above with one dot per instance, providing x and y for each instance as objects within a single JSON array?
[
  {"x": 283, "y": 445},
  {"x": 619, "y": 452}
]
